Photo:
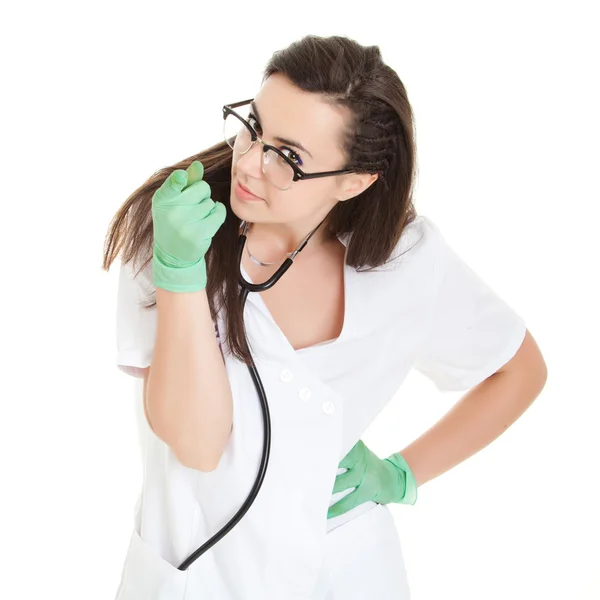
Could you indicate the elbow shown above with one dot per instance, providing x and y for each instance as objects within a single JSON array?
[
  {"x": 544, "y": 375},
  {"x": 528, "y": 363},
  {"x": 202, "y": 467},
  {"x": 187, "y": 449},
  {"x": 193, "y": 461},
  {"x": 190, "y": 455}
]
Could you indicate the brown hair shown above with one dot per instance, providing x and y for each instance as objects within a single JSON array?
[{"x": 381, "y": 140}]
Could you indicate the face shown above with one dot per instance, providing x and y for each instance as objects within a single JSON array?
[{"x": 288, "y": 112}]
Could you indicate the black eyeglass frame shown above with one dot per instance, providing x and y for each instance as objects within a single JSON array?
[{"x": 299, "y": 174}]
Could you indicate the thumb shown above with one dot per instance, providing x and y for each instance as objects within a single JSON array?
[{"x": 195, "y": 172}]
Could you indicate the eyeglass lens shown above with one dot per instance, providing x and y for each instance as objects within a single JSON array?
[{"x": 277, "y": 170}]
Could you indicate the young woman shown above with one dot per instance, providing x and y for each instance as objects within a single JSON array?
[{"x": 324, "y": 152}]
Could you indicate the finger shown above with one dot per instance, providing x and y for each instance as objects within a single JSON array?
[
  {"x": 171, "y": 186},
  {"x": 344, "y": 505},
  {"x": 195, "y": 213},
  {"x": 352, "y": 457},
  {"x": 196, "y": 193},
  {"x": 344, "y": 481},
  {"x": 216, "y": 217},
  {"x": 210, "y": 214},
  {"x": 195, "y": 172}
]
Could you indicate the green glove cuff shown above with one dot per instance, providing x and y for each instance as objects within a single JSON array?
[
  {"x": 410, "y": 493},
  {"x": 190, "y": 278}
]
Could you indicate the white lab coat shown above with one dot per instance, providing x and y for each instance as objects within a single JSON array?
[{"x": 426, "y": 309}]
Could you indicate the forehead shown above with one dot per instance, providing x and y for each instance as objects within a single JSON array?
[{"x": 292, "y": 113}]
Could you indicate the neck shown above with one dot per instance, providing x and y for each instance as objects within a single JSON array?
[{"x": 271, "y": 241}]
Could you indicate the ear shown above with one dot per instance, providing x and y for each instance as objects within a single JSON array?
[{"x": 355, "y": 184}]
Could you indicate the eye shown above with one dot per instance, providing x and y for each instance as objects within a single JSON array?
[
  {"x": 294, "y": 156},
  {"x": 256, "y": 127}
]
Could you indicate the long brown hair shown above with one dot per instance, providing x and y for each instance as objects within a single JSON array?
[{"x": 381, "y": 140}]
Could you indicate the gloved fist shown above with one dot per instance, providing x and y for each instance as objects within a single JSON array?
[
  {"x": 380, "y": 480},
  {"x": 185, "y": 219}
]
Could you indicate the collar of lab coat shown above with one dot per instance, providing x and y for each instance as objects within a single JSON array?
[{"x": 344, "y": 238}]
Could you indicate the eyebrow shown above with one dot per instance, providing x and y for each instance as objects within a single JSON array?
[{"x": 280, "y": 139}]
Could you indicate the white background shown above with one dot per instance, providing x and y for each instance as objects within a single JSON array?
[{"x": 98, "y": 96}]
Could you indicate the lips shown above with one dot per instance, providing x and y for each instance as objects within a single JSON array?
[{"x": 249, "y": 191}]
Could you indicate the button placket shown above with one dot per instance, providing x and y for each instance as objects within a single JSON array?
[{"x": 305, "y": 393}]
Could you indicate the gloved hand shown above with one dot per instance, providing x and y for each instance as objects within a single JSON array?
[
  {"x": 185, "y": 219},
  {"x": 381, "y": 480}
]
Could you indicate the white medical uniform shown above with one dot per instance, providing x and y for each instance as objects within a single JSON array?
[{"x": 426, "y": 309}]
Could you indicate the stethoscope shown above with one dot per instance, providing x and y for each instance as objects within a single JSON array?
[{"x": 248, "y": 287}]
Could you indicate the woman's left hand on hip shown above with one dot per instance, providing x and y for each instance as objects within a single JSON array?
[{"x": 375, "y": 479}]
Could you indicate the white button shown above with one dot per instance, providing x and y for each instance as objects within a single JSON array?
[
  {"x": 286, "y": 375},
  {"x": 304, "y": 394},
  {"x": 328, "y": 407}
]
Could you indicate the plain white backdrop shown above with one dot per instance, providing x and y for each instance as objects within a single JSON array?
[{"x": 98, "y": 96}]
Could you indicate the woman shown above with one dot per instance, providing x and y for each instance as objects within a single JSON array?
[{"x": 375, "y": 291}]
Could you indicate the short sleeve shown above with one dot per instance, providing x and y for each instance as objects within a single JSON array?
[
  {"x": 136, "y": 325},
  {"x": 472, "y": 331}
]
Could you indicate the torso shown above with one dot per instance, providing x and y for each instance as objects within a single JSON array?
[{"x": 307, "y": 303}]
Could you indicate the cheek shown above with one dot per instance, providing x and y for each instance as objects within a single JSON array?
[
  {"x": 311, "y": 195},
  {"x": 296, "y": 203}
]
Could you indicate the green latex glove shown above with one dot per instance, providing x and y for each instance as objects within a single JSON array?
[
  {"x": 380, "y": 480},
  {"x": 185, "y": 219}
]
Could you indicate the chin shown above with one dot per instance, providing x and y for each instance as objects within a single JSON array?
[
  {"x": 236, "y": 212},
  {"x": 240, "y": 209}
]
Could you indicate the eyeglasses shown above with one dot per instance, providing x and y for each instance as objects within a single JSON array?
[{"x": 279, "y": 169}]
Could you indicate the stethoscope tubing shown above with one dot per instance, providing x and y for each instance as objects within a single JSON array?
[{"x": 248, "y": 287}]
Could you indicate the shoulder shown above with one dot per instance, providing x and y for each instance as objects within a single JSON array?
[
  {"x": 417, "y": 248},
  {"x": 422, "y": 245},
  {"x": 421, "y": 233},
  {"x": 402, "y": 289},
  {"x": 411, "y": 269}
]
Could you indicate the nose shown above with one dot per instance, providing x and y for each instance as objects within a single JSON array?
[{"x": 250, "y": 163}]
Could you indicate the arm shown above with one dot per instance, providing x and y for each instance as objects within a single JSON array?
[
  {"x": 146, "y": 373},
  {"x": 480, "y": 416},
  {"x": 188, "y": 398}
]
